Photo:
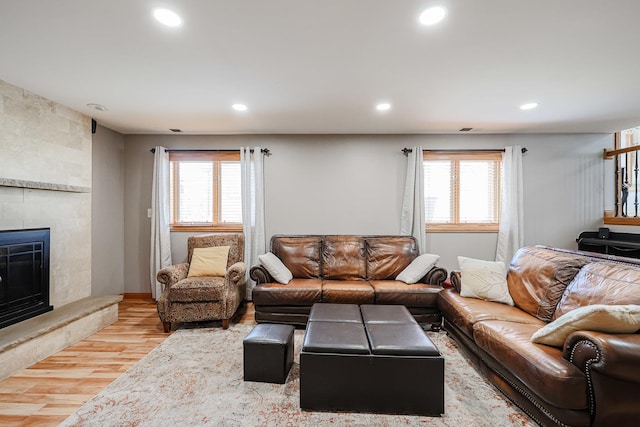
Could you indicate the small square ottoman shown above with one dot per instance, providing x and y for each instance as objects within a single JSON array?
[{"x": 268, "y": 353}]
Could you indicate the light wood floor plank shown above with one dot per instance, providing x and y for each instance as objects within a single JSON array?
[{"x": 49, "y": 391}]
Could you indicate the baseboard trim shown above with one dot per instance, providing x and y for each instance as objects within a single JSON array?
[{"x": 137, "y": 295}]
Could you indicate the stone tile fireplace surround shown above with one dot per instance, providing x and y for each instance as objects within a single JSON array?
[{"x": 45, "y": 182}]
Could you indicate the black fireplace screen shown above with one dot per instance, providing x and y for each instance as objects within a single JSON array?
[{"x": 24, "y": 275}]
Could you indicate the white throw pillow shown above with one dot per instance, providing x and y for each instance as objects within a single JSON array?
[
  {"x": 276, "y": 268},
  {"x": 485, "y": 280},
  {"x": 418, "y": 268},
  {"x": 615, "y": 319}
]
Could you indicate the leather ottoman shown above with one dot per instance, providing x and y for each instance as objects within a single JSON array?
[
  {"x": 383, "y": 362},
  {"x": 268, "y": 353}
]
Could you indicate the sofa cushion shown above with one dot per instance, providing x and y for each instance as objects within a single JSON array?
[
  {"x": 615, "y": 319},
  {"x": 343, "y": 258},
  {"x": 300, "y": 254},
  {"x": 465, "y": 312},
  {"x": 538, "y": 277},
  {"x": 484, "y": 279},
  {"x": 276, "y": 268},
  {"x": 601, "y": 283},
  {"x": 387, "y": 256},
  {"x": 305, "y": 292},
  {"x": 209, "y": 262},
  {"x": 415, "y": 295},
  {"x": 198, "y": 289},
  {"x": 541, "y": 368},
  {"x": 418, "y": 268},
  {"x": 347, "y": 292}
]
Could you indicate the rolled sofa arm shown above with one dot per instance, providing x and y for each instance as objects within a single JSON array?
[
  {"x": 236, "y": 274},
  {"x": 435, "y": 276},
  {"x": 171, "y": 275},
  {"x": 260, "y": 275},
  {"x": 614, "y": 355},
  {"x": 610, "y": 363},
  {"x": 456, "y": 279}
]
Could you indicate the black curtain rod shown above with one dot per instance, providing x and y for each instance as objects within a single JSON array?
[
  {"x": 406, "y": 151},
  {"x": 166, "y": 150}
]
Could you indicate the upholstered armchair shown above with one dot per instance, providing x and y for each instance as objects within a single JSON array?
[{"x": 203, "y": 298}]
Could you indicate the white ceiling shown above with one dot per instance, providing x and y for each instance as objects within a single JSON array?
[{"x": 320, "y": 66}]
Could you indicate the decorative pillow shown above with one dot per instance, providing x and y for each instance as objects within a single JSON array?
[
  {"x": 276, "y": 268},
  {"x": 614, "y": 319},
  {"x": 485, "y": 280},
  {"x": 418, "y": 268},
  {"x": 209, "y": 261}
]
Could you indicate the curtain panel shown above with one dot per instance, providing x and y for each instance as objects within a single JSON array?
[
  {"x": 511, "y": 229},
  {"x": 160, "y": 219},
  {"x": 252, "y": 172},
  {"x": 412, "y": 222}
]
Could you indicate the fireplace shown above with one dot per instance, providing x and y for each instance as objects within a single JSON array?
[{"x": 24, "y": 275}]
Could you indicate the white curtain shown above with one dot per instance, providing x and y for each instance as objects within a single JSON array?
[
  {"x": 160, "y": 231},
  {"x": 511, "y": 231},
  {"x": 412, "y": 218},
  {"x": 252, "y": 161}
]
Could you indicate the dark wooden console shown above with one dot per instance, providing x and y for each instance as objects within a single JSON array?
[{"x": 620, "y": 244}]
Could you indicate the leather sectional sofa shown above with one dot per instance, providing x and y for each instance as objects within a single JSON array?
[
  {"x": 344, "y": 269},
  {"x": 594, "y": 377}
]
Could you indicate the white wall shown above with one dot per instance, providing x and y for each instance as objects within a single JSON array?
[
  {"x": 107, "y": 211},
  {"x": 352, "y": 184}
]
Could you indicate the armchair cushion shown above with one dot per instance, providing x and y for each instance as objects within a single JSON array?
[
  {"x": 209, "y": 262},
  {"x": 196, "y": 289}
]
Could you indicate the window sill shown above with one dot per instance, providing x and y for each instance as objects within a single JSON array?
[
  {"x": 212, "y": 228},
  {"x": 462, "y": 228}
]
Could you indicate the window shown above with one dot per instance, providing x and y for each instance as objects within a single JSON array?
[
  {"x": 205, "y": 191},
  {"x": 462, "y": 191}
]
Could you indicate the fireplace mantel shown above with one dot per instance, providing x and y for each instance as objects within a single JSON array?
[{"x": 36, "y": 185}]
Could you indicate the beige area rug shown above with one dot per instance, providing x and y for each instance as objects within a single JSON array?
[{"x": 195, "y": 378}]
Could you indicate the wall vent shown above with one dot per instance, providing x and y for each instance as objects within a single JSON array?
[{"x": 465, "y": 129}]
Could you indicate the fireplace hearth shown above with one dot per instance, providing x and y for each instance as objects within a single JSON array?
[{"x": 24, "y": 275}]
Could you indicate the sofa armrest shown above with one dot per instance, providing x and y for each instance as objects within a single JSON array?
[
  {"x": 236, "y": 274},
  {"x": 610, "y": 363},
  {"x": 614, "y": 355},
  {"x": 456, "y": 280},
  {"x": 435, "y": 276},
  {"x": 260, "y": 275},
  {"x": 171, "y": 275}
]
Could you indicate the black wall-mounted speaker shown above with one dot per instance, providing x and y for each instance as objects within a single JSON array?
[
  {"x": 93, "y": 126},
  {"x": 603, "y": 233}
]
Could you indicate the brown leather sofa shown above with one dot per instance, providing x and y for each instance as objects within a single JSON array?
[
  {"x": 344, "y": 269},
  {"x": 594, "y": 379}
]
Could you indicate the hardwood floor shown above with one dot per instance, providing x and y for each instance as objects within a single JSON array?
[{"x": 49, "y": 391}]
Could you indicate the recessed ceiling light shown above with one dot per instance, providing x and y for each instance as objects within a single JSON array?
[
  {"x": 239, "y": 107},
  {"x": 98, "y": 107},
  {"x": 433, "y": 15},
  {"x": 167, "y": 17},
  {"x": 529, "y": 106},
  {"x": 383, "y": 106}
]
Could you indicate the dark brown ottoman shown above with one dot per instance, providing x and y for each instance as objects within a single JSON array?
[
  {"x": 384, "y": 363},
  {"x": 268, "y": 353}
]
